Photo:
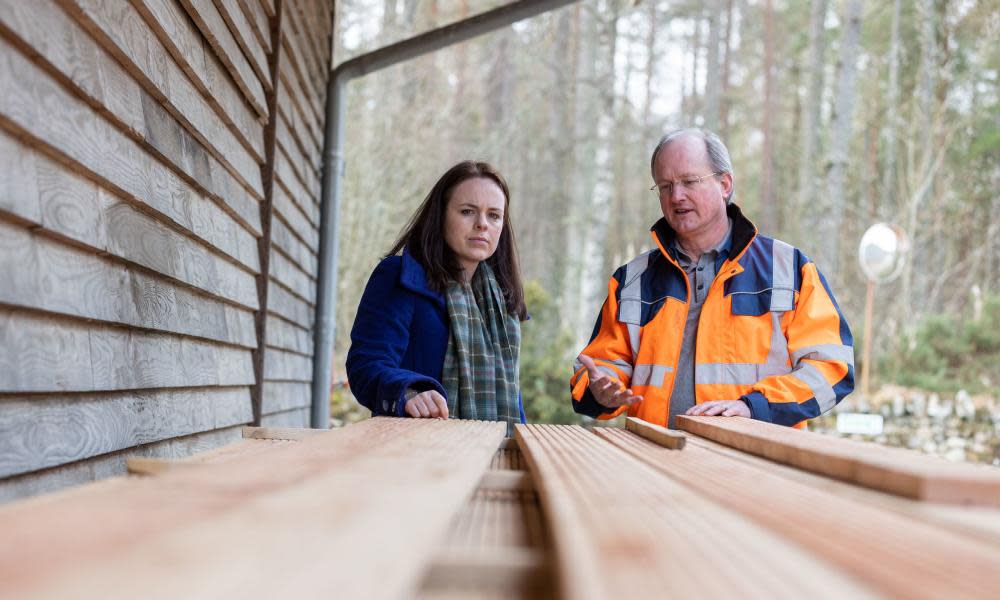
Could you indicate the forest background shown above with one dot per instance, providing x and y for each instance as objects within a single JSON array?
[{"x": 838, "y": 115}]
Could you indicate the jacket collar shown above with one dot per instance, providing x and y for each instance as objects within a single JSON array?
[
  {"x": 742, "y": 233},
  {"x": 413, "y": 277}
]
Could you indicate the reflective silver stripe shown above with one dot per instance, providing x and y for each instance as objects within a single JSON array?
[
  {"x": 621, "y": 364},
  {"x": 776, "y": 362},
  {"x": 630, "y": 299},
  {"x": 822, "y": 391},
  {"x": 836, "y": 352},
  {"x": 651, "y": 374},
  {"x": 634, "y": 338},
  {"x": 607, "y": 371},
  {"x": 726, "y": 373},
  {"x": 782, "y": 277}
]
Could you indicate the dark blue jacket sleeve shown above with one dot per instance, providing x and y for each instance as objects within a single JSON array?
[{"x": 379, "y": 340}]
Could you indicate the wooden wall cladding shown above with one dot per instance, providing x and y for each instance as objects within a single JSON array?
[{"x": 139, "y": 186}]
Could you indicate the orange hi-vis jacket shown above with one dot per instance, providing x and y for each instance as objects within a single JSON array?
[{"x": 770, "y": 332}]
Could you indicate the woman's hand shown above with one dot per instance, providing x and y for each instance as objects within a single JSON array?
[{"x": 429, "y": 404}]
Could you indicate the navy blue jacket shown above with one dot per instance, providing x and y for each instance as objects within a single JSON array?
[{"x": 399, "y": 337}]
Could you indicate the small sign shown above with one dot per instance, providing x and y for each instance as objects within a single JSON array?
[{"x": 862, "y": 423}]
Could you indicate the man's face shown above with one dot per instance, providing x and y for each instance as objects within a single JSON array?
[{"x": 697, "y": 208}]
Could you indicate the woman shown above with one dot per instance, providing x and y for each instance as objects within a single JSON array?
[{"x": 438, "y": 332}]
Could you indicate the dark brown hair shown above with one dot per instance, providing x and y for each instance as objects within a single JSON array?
[{"x": 424, "y": 237}]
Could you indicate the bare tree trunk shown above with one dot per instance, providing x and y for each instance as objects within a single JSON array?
[
  {"x": 691, "y": 106},
  {"x": 768, "y": 206},
  {"x": 840, "y": 140},
  {"x": 925, "y": 146},
  {"x": 811, "y": 112},
  {"x": 564, "y": 126},
  {"x": 727, "y": 51},
  {"x": 651, "y": 55},
  {"x": 595, "y": 245},
  {"x": 891, "y": 126},
  {"x": 712, "y": 68}
]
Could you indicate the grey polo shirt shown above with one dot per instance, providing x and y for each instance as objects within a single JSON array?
[{"x": 700, "y": 273}]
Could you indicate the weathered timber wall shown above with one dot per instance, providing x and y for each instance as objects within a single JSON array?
[{"x": 159, "y": 189}]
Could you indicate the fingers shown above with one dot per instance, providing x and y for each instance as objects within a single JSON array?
[
  {"x": 440, "y": 404},
  {"x": 415, "y": 407},
  {"x": 426, "y": 405},
  {"x": 725, "y": 408},
  {"x": 613, "y": 397},
  {"x": 592, "y": 370}
]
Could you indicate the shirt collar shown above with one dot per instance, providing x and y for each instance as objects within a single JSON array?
[{"x": 721, "y": 249}]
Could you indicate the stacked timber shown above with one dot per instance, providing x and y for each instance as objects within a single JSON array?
[{"x": 431, "y": 509}]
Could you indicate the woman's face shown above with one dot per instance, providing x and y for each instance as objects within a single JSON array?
[{"x": 473, "y": 221}]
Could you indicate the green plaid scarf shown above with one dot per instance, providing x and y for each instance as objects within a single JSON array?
[{"x": 481, "y": 369}]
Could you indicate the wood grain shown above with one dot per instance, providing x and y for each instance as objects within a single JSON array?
[
  {"x": 19, "y": 185},
  {"x": 288, "y": 336},
  {"x": 295, "y": 434},
  {"x": 623, "y": 529},
  {"x": 976, "y": 521},
  {"x": 290, "y": 134},
  {"x": 296, "y": 417},
  {"x": 899, "y": 556},
  {"x": 58, "y": 479},
  {"x": 90, "y": 143},
  {"x": 329, "y": 498},
  {"x": 50, "y": 354},
  {"x": 70, "y": 50},
  {"x": 287, "y": 306},
  {"x": 284, "y": 241},
  {"x": 279, "y": 396},
  {"x": 185, "y": 44},
  {"x": 51, "y": 276},
  {"x": 220, "y": 39},
  {"x": 293, "y": 278},
  {"x": 893, "y": 470},
  {"x": 280, "y": 365},
  {"x": 294, "y": 219},
  {"x": 80, "y": 210},
  {"x": 656, "y": 433},
  {"x": 258, "y": 21},
  {"x": 242, "y": 31}
]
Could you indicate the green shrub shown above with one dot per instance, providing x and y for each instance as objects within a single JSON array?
[
  {"x": 546, "y": 361},
  {"x": 949, "y": 353}
]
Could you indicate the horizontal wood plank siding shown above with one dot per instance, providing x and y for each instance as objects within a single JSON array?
[
  {"x": 300, "y": 86},
  {"x": 159, "y": 202}
]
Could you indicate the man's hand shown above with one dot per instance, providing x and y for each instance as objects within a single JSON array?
[
  {"x": 427, "y": 404},
  {"x": 725, "y": 408},
  {"x": 607, "y": 390}
]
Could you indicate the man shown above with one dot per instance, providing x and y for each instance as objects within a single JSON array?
[{"x": 717, "y": 320}]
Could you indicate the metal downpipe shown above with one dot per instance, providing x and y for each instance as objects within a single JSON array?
[{"x": 333, "y": 166}]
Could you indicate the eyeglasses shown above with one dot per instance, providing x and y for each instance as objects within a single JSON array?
[{"x": 666, "y": 189}]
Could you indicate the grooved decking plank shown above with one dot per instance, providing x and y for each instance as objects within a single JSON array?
[
  {"x": 978, "y": 522},
  {"x": 280, "y": 524},
  {"x": 900, "y": 556},
  {"x": 893, "y": 470},
  {"x": 622, "y": 529}
]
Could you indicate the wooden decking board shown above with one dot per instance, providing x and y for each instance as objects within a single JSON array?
[
  {"x": 623, "y": 529},
  {"x": 892, "y": 470},
  {"x": 900, "y": 556},
  {"x": 280, "y": 433},
  {"x": 377, "y": 493},
  {"x": 667, "y": 438},
  {"x": 978, "y": 522}
]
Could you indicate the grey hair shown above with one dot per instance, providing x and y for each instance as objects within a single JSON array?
[{"x": 718, "y": 154}]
